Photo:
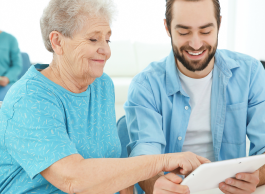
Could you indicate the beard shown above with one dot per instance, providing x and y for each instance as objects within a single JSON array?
[{"x": 194, "y": 65}]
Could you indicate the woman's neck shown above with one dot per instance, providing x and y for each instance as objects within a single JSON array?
[{"x": 63, "y": 77}]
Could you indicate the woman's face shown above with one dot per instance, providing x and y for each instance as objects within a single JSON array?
[{"x": 86, "y": 53}]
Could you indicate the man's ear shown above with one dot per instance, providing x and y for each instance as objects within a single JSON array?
[
  {"x": 220, "y": 23},
  {"x": 165, "y": 24},
  {"x": 56, "y": 42}
]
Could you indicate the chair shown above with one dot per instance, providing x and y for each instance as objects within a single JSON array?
[
  {"x": 263, "y": 63},
  {"x": 124, "y": 139},
  {"x": 26, "y": 64}
]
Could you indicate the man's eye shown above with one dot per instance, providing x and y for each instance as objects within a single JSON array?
[
  {"x": 183, "y": 34},
  {"x": 206, "y": 33},
  {"x": 93, "y": 40},
  {"x": 108, "y": 41}
]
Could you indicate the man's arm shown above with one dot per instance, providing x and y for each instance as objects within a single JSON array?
[{"x": 148, "y": 185}]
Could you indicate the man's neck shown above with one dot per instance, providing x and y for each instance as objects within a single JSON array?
[{"x": 196, "y": 74}]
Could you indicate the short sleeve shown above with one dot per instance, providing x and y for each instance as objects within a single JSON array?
[{"x": 36, "y": 135}]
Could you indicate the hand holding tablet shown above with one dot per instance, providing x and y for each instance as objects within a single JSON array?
[{"x": 210, "y": 175}]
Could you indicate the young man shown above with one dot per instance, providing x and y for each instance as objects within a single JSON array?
[{"x": 198, "y": 99}]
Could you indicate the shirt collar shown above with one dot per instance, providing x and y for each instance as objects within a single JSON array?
[{"x": 173, "y": 85}]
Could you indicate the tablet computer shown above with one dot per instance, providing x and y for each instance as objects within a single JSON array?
[{"x": 210, "y": 175}]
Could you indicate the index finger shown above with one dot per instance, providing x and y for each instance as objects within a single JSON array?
[
  {"x": 203, "y": 160},
  {"x": 249, "y": 177}
]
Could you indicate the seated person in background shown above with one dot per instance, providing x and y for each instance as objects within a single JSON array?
[
  {"x": 57, "y": 125},
  {"x": 10, "y": 62},
  {"x": 198, "y": 99}
]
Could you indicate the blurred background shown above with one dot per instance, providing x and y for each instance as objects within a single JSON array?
[{"x": 139, "y": 36}]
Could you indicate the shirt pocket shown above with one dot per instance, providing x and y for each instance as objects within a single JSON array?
[{"x": 235, "y": 123}]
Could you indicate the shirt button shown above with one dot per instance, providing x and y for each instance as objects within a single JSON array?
[
  {"x": 179, "y": 138},
  {"x": 186, "y": 107}
]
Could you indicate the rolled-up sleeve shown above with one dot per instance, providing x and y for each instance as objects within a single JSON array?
[
  {"x": 256, "y": 110},
  {"x": 16, "y": 62},
  {"x": 144, "y": 122}
]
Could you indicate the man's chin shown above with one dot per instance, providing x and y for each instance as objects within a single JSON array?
[{"x": 195, "y": 65}]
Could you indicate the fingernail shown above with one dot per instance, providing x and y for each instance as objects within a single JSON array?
[
  {"x": 229, "y": 181},
  {"x": 239, "y": 176},
  {"x": 223, "y": 186}
]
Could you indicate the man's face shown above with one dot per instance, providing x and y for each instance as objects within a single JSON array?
[{"x": 194, "y": 33}]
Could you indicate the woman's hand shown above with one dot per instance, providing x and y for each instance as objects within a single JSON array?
[
  {"x": 182, "y": 163},
  {"x": 178, "y": 163}
]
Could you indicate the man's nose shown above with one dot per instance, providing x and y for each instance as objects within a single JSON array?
[{"x": 195, "y": 42}]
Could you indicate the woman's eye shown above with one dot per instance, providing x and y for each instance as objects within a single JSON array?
[
  {"x": 205, "y": 33},
  {"x": 108, "y": 41},
  {"x": 93, "y": 40}
]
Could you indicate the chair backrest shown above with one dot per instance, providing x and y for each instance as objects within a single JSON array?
[
  {"x": 123, "y": 135},
  {"x": 125, "y": 140},
  {"x": 25, "y": 64},
  {"x": 263, "y": 63}
]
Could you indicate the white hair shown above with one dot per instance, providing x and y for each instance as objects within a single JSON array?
[{"x": 69, "y": 16}]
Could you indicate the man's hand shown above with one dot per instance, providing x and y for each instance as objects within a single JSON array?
[
  {"x": 129, "y": 190},
  {"x": 4, "y": 81},
  {"x": 244, "y": 183},
  {"x": 170, "y": 183}
]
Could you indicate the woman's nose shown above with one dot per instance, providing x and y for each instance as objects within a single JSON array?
[
  {"x": 195, "y": 42},
  {"x": 104, "y": 49}
]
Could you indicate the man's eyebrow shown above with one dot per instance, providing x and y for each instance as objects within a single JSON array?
[
  {"x": 182, "y": 26},
  {"x": 189, "y": 27},
  {"x": 207, "y": 25}
]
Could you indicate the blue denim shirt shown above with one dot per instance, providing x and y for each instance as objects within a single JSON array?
[{"x": 158, "y": 110}]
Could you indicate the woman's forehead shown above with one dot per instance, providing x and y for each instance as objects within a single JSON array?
[{"x": 96, "y": 26}]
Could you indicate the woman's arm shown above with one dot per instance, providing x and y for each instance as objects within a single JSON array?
[{"x": 74, "y": 174}]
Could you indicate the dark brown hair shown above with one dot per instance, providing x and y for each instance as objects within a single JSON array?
[{"x": 169, "y": 6}]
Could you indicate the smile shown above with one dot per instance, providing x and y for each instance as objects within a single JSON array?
[{"x": 195, "y": 54}]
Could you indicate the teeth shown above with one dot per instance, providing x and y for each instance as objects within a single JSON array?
[{"x": 195, "y": 54}]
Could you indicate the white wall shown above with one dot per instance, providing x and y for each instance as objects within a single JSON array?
[
  {"x": 137, "y": 20},
  {"x": 250, "y": 28},
  {"x": 21, "y": 18}
]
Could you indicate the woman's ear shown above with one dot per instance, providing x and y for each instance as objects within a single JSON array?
[{"x": 56, "y": 42}]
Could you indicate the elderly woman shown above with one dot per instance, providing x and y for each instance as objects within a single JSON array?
[
  {"x": 57, "y": 125},
  {"x": 10, "y": 62}
]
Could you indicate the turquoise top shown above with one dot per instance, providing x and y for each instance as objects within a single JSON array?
[
  {"x": 10, "y": 57},
  {"x": 41, "y": 123}
]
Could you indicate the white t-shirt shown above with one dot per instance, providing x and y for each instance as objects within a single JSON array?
[{"x": 199, "y": 136}]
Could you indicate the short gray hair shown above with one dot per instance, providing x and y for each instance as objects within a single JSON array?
[{"x": 69, "y": 16}]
